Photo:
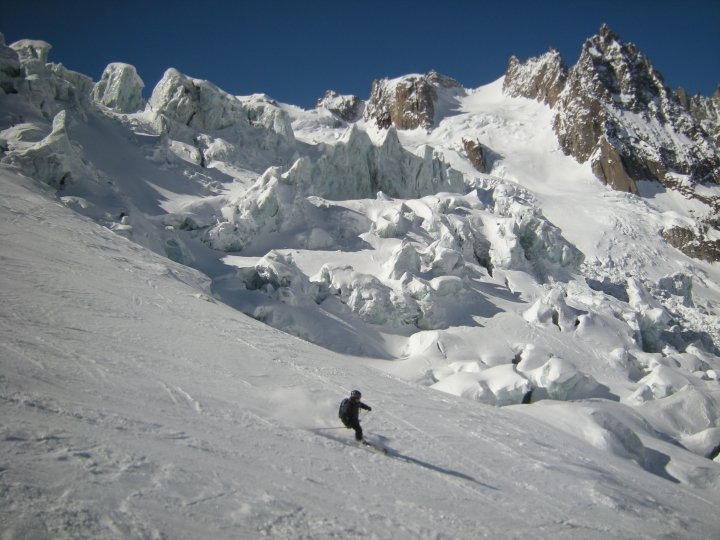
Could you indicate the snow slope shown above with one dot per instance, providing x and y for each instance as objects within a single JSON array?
[
  {"x": 540, "y": 362},
  {"x": 136, "y": 406}
]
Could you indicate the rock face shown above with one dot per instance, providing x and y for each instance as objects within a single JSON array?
[
  {"x": 692, "y": 244},
  {"x": 347, "y": 108},
  {"x": 541, "y": 78},
  {"x": 616, "y": 105},
  {"x": 409, "y": 102},
  {"x": 706, "y": 110},
  {"x": 614, "y": 110},
  {"x": 477, "y": 154},
  {"x": 120, "y": 88}
]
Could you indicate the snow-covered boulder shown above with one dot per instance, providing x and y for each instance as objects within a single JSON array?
[
  {"x": 607, "y": 432},
  {"x": 499, "y": 385},
  {"x": 356, "y": 168},
  {"x": 561, "y": 380},
  {"x": 605, "y": 427},
  {"x": 366, "y": 296},
  {"x": 264, "y": 111},
  {"x": 32, "y": 51},
  {"x": 662, "y": 382},
  {"x": 678, "y": 285},
  {"x": 279, "y": 278},
  {"x": 553, "y": 310},
  {"x": 274, "y": 203},
  {"x": 394, "y": 222},
  {"x": 521, "y": 238},
  {"x": 278, "y": 202},
  {"x": 120, "y": 88},
  {"x": 705, "y": 443},
  {"x": 404, "y": 259}
]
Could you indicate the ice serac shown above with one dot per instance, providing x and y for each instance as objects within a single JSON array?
[
  {"x": 412, "y": 101},
  {"x": 54, "y": 160},
  {"x": 120, "y": 88},
  {"x": 221, "y": 127},
  {"x": 541, "y": 78},
  {"x": 196, "y": 103},
  {"x": 48, "y": 87},
  {"x": 10, "y": 69},
  {"x": 347, "y": 108}
]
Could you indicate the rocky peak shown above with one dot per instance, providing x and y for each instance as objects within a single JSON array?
[
  {"x": 616, "y": 110},
  {"x": 410, "y": 101},
  {"x": 541, "y": 78}
]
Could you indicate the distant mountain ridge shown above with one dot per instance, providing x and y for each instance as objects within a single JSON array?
[{"x": 614, "y": 109}]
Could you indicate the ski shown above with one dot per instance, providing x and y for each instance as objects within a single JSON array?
[{"x": 372, "y": 446}]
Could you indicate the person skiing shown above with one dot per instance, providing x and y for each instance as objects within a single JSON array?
[{"x": 349, "y": 409}]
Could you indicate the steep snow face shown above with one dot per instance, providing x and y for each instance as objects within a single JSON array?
[{"x": 120, "y": 88}]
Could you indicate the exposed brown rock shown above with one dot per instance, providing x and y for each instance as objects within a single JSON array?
[
  {"x": 475, "y": 153},
  {"x": 691, "y": 245},
  {"x": 541, "y": 78},
  {"x": 408, "y": 102},
  {"x": 608, "y": 167},
  {"x": 610, "y": 80}
]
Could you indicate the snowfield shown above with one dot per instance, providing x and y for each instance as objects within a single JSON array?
[
  {"x": 135, "y": 405},
  {"x": 191, "y": 285}
]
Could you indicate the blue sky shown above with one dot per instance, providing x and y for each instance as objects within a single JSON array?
[{"x": 294, "y": 51}]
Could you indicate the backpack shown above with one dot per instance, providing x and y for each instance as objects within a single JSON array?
[{"x": 344, "y": 411}]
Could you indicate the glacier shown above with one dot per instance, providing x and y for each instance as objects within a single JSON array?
[{"x": 191, "y": 256}]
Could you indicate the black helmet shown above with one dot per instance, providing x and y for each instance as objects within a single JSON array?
[{"x": 355, "y": 394}]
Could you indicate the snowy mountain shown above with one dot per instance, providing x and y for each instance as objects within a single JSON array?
[{"x": 522, "y": 278}]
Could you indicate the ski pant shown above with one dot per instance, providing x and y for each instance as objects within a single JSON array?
[{"x": 358, "y": 430}]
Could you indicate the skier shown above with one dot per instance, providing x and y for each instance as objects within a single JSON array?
[{"x": 349, "y": 409}]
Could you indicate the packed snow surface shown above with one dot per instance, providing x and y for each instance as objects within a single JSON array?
[{"x": 191, "y": 285}]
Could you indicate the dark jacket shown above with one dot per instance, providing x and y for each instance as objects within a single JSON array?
[{"x": 352, "y": 410}]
